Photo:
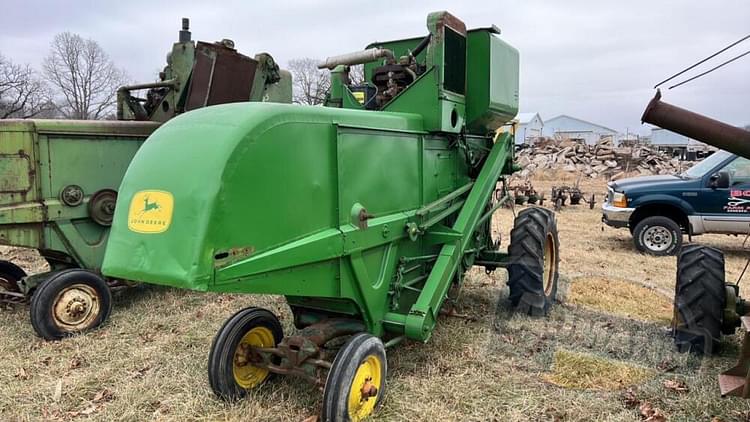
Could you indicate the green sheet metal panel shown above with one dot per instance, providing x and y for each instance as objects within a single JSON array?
[
  {"x": 17, "y": 182},
  {"x": 92, "y": 162},
  {"x": 38, "y": 158},
  {"x": 492, "y": 81},
  {"x": 377, "y": 169},
  {"x": 237, "y": 211}
]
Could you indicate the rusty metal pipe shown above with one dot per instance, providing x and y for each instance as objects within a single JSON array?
[
  {"x": 358, "y": 57},
  {"x": 168, "y": 83},
  {"x": 697, "y": 126}
]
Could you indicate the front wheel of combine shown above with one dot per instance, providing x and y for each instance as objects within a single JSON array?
[
  {"x": 231, "y": 372},
  {"x": 534, "y": 261},
  {"x": 356, "y": 382},
  {"x": 69, "y": 302},
  {"x": 10, "y": 275},
  {"x": 700, "y": 298}
]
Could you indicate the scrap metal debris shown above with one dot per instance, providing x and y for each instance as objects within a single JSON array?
[{"x": 599, "y": 160}]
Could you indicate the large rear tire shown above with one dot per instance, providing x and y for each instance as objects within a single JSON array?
[
  {"x": 534, "y": 261},
  {"x": 700, "y": 298}
]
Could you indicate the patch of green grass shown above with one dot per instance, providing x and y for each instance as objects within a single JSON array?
[
  {"x": 621, "y": 297},
  {"x": 579, "y": 370}
]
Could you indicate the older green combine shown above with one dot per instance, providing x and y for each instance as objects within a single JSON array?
[
  {"x": 59, "y": 178},
  {"x": 364, "y": 214}
]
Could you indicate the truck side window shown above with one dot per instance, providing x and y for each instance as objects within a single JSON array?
[{"x": 739, "y": 171}]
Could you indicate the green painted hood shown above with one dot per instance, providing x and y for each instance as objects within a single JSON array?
[{"x": 219, "y": 184}]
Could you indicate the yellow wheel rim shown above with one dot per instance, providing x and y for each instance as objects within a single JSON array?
[
  {"x": 364, "y": 391},
  {"x": 245, "y": 374},
  {"x": 549, "y": 263},
  {"x": 76, "y": 307}
]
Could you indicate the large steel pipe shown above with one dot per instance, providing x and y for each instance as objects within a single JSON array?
[
  {"x": 697, "y": 126},
  {"x": 358, "y": 57}
]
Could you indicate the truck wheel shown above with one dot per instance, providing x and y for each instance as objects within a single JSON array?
[
  {"x": 700, "y": 298},
  {"x": 69, "y": 302},
  {"x": 356, "y": 382},
  {"x": 658, "y": 236},
  {"x": 10, "y": 275},
  {"x": 534, "y": 261},
  {"x": 231, "y": 372}
]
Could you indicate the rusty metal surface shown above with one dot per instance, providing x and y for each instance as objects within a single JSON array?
[
  {"x": 736, "y": 380},
  {"x": 101, "y": 206},
  {"x": 12, "y": 297},
  {"x": 220, "y": 75},
  {"x": 304, "y": 354},
  {"x": 697, "y": 126},
  {"x": 452, "y": 22}
]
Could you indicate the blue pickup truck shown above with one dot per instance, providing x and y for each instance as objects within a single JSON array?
[{"x": 711, "y": 197}]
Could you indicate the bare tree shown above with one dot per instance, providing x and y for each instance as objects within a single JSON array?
[
  {"x": 84, "y": 77},
  {"x": 357, "y": 74},
  {"x": 310, "y": 84},
  {"x": 22, "y": 93}
]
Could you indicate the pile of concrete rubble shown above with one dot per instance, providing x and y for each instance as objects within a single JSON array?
[{"x": 600, "y": 160}]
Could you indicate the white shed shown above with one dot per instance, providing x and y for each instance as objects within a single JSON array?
[
  {"x": 567, "y": 127},
  {"x": 678, "y": 145},
  {"x": 529, "y": 128}
]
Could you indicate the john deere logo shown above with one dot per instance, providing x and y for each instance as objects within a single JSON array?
[{"x": 150, "y": 211}]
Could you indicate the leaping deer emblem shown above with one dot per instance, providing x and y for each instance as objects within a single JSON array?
[{"x": 148, "y": 206}]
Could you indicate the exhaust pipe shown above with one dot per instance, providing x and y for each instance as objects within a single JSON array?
[
  {"x": 358, "y": 57},
  {"x": 697, "y": 126}
]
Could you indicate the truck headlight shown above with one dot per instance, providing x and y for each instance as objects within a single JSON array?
[{"x": 620, "y": 200}]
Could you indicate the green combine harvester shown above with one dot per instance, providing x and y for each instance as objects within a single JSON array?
[
  {"x": 59, "y": 179},
  {"x": 365, "y": 214}
]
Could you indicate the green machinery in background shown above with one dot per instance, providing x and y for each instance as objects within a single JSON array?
[
  {"x": 59, "y": 178},
  {"x": 365, "y": 214}
]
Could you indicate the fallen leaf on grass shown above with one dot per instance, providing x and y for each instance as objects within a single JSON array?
[
  {"x": 85, "y": 412},
  {"x": 629, "y": 399},
  {"x": 666, "y": 365},
  {"x": 21, "y": 374},
  {"x": 651, "y": 414},
  {"x": 89, "y": 410},
  {"x": 140, "y": 372},
  {"x": 313, "y": 418},
  {"x": 103, "y": 396},
  {"x": 678, "y": 386},
  {"x": 76, "y": 362}
]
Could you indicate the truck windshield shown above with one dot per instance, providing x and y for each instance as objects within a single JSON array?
[{"x": 700, "y": 169}]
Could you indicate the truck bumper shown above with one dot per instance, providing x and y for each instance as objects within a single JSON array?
[{"x": 615, "y": 216}]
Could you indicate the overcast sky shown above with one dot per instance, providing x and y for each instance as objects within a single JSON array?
[{"x": 596, "y": 60}]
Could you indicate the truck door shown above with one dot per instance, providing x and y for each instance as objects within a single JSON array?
[{"x": 726, "y": 209}]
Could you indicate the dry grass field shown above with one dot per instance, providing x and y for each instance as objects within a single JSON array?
[{"x": 603, "y": 350}]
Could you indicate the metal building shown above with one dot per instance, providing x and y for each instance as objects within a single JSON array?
[
  {"x": 528, "y": 128},
  {"x": 678, "y": 145},
  {"x": 567, "y": 127}
]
